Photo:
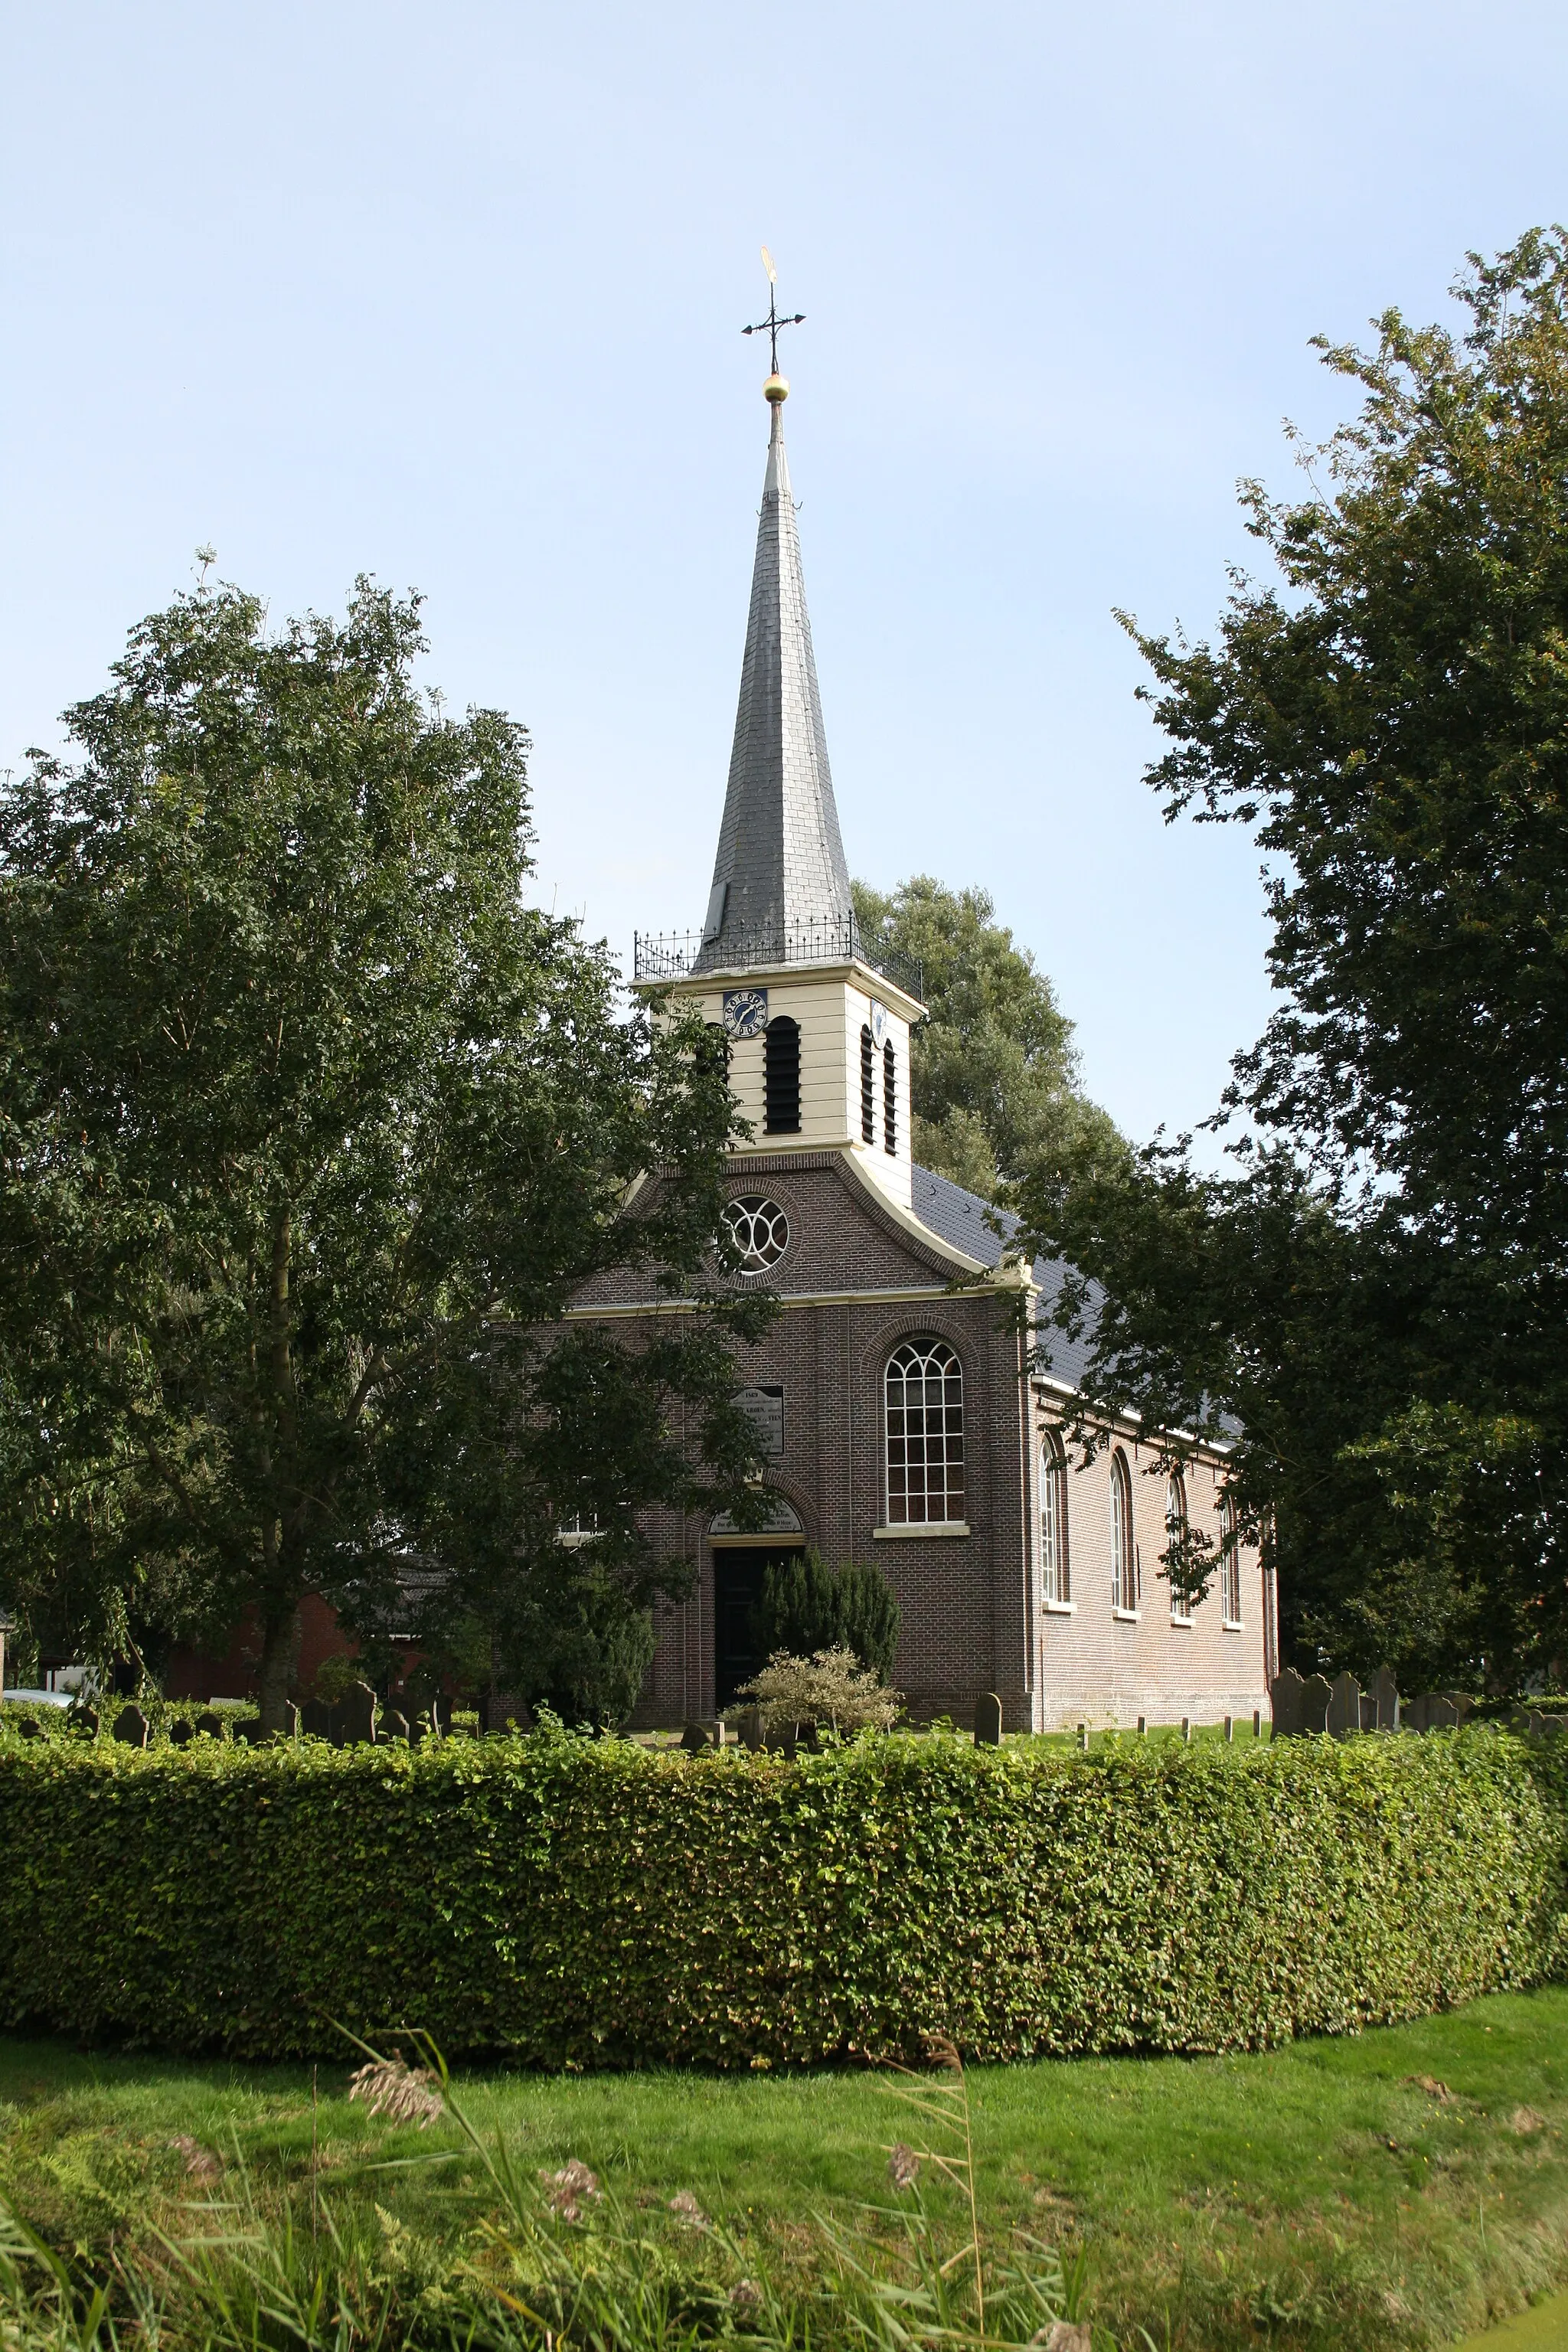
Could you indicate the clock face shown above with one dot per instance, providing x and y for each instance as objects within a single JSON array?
[{"x": 745, "y": 1011}]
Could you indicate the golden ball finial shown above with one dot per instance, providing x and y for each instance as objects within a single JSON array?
[{"x": 776, "y": 389}]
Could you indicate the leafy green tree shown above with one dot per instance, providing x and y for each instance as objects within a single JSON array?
[
  {"x": 310, "y": 1127},
  {"x": 1380, "y": 1289},
  {"x": 807, "y": 1606},
  {"x": 993, "y": 1076}
]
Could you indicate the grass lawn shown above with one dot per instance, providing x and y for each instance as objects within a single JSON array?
[{"x": 1318, "y": 2195}]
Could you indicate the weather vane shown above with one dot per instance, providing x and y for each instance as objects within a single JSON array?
[{"x": 769, "y": 325}]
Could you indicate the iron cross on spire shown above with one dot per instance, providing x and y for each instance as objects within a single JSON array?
[{"x": 769, "y": 325}]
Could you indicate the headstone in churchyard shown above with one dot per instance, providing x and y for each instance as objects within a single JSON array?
[
  {"x": 396, "y": 1725},
  {"x": 1344, "y": 1705},
  {"x": 1415, "y": 1711},
  {"x": 1385, "y": 1696},
  {"x": 1444, "y": 1712},
  {"x": 988, "y": 1720},
  {"x": 1229, "y": 1732},
  {"x": 1316, "y": 1698},
  {"x": 30, "y": 1727},
  {"x": 1286, "y": 1695},
  {"x": 1258, "y": 1723},
  {"x": 1186, "y": 1730},
  {"x": 694, "y": 1739},
  {"x": 316, "y": 1719},
  {"x": 1142, "y": 1726},
  {"x": 130, "y": 1725},
  {"x": 751, "y": 1728},
  {"x": 1083, "y": 1738},
  {"x": 84, "y": 1721},
  {"x": 353, "y": 1718},
  {"x": 180, "y": 1733},
  {"x": 211, "y": 1725}
]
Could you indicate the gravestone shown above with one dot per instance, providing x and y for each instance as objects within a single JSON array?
[
  {"x": 694, "y": 1739},
  {"x": 353, "y": 1718},
  {"x": 30, "y": 1727},
  {"x": 1258, "y": 1723},
  {"x": 1385, "y": 1697},
  {"x": 84, "y": 1721},
  {"x": 751, "y": 1728},
  {"x": 1286, "y": 1697},
  {"x": 1229, "y": 1732},
  {"x": 1316, "y": 1696},
  {"x": 1083, "y": 1738},
  {"x": 180, "y": 1734},
  {"x": 316, "y": 1719},
  {"x": 1186, "y": 1730},
  {"x": 988, "y": 1720},
  {"x": 1344, "y": 1705},
  {"x": 130, "y": 1725},
  {"x": 210, "y": 1725},
  {"x": 1142, "y": 1726},
  {"x": 1444, "y": 1712},
  {"x": 396, "y": 1725}
]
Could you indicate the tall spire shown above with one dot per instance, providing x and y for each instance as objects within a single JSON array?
[{"x": 781, "y": 888}]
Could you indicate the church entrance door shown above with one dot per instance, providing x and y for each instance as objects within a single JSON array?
[{"x": 737, "y": 1589}]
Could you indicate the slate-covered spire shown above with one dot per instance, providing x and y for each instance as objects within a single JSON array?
[{"x": 781, "y": 888}]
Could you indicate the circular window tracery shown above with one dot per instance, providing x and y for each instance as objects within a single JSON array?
[{"x": 759, "y": 1230}]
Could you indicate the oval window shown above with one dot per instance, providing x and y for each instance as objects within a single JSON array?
[{"x": 759, "y": 1230}]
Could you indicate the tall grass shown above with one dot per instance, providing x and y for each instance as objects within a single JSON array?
[{"x": 540, "y": 2260}]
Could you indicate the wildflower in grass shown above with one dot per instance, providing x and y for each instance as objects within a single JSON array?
[
  {"x": 685, "y": 2205},
  {"x": 405, "y": 2094},
  {"x": 903, "y": 2166},
  {"x": 565, "y": 2190}
]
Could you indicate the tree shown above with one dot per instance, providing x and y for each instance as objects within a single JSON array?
[
  {"x": 309, "y": 1129},
  {"x": 807, "y": 1606},
  {"x": 993, "y": 1076},
  {"x": 1379, "y": 1291}
]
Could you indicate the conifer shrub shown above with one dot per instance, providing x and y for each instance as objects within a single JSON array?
[
  {"x": 574, "y": 1902},
  {"x": 807, "y": 1606}
]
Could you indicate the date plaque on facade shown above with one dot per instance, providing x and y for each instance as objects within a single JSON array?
[{"x": 764, "y": 1407}]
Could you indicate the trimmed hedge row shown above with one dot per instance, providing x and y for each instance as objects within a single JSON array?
[{"x": 586, "y": 1903}]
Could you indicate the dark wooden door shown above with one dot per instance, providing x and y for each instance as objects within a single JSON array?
[{"x": 737, "y": 1589}]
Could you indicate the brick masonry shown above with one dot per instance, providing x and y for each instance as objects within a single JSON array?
[{"x": 856, "y": 1281}]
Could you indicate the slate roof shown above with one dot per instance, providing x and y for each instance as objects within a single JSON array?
[
  {"x": 781, "y": 887},
  {"x": 965, "y": 1220}
]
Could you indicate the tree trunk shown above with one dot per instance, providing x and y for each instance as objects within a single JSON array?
[{"x": 279, "y": 1652}]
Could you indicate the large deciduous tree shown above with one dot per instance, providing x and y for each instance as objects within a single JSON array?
[
  {"x": 993, "y": 1076},
  {"x": 310, "y": 1127},
  {"x": 1379, "y": 1286}
]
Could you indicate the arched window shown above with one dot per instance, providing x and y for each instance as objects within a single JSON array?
[
  {"x": 925, "y": 1434},
  {"x": 889, "y": 1099},
  {"x": 867, "y": 1089},
  {"x": 1176, "y": 1562},
  {"x": 781, "y": 1076},
  {"x": 1123, "y": 1551},
  {"x": 1229, "y": 1562},
  {"x": 1056, "y": 1575}
]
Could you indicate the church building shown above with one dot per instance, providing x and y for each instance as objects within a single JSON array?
[{"x": 901, "y": 1416}]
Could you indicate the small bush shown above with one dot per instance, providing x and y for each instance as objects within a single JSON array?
[
  {"x": 831, "y": 1690},
  {"x": 806, "y": 1606}
]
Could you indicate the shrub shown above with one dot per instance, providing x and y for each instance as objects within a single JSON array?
[
  {"x": 806, "y": 1606},
  {"x": 832, "y": 1689},
  {"x": 590, "y": 1903}
]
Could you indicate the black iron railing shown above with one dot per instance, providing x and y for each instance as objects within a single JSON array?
[{"x": 678, "y": 955}]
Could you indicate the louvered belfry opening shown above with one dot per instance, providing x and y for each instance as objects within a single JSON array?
[
  {"x": 781, "y": 1076},
  {"x": 867, "y": 1090},
  {"x": 889, "y": 1100}
]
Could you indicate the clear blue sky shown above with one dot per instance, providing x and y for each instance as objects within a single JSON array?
[{"x": 450, "y": 294}]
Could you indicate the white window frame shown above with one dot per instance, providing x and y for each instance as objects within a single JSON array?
[
  {"x": 1123, "y": 1542},
  {"x": 1055, "y": 1557},
  {"x": 926, "y": 1352}
]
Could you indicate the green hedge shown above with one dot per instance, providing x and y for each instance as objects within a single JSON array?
[{"x": 588, "y": 1903}]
